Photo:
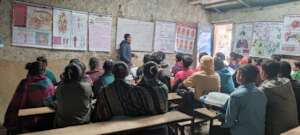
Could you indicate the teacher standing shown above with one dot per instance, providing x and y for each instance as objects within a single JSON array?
[{"x": 125, "y": 49}]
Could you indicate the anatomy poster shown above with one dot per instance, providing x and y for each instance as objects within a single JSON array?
[
  {"x": 100, "y": 33},
  {"x": 32, "y": 26},
  {"x": 79, "y": 31},
  {"x": 291, "y": 35},
  {"x": 242, "y": 38},
  {"x": 266, "y": 39},
  {"x": 185, "y": 37},
  {"x": 62, "y": 29},
  {"x": 165, "y": 34}
]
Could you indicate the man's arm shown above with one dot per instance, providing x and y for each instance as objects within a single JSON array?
[{"x": 231, "y": 117}]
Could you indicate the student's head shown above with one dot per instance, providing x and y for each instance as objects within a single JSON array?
[
  {"x": 34, "y": 68},
  {"x": 93, "y": 63},
  {"x": 247, "y": 74},
  {"x": 220, "y": 56},
  {"x": 207, "y": 64},
  {"x": 187, "y": 61},
  {"x": 150, "y": 70},
  {"x": 285, "y": 70},
  {"x": 79, "y": 63},
  {"x": 108, "y": 66},
  {"x": 147, "y": 58},
  {"x": 219, "y": 64},
  {"x": 75, "y": 60},
  {"x": 202, "y": 54},
  {"x": 120, "y": 70},
  {"x": 270, "y": 69},
  {"x": 179, "y": 57},
  {"x": 158, "y": 57},
  {"x": 276, "y": 58},
  {"x": 297, "y": 65},
  {"x": 127, "y": 37},
  {"x": 43, "y": 60},
  {"x": 235, "y": 57},
  {"x": 72, "y": 73},
  {"x": 259, "y": 61}
]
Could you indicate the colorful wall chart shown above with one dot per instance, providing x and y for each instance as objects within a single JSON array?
[
  {"x": 204, "y": 40},
  {"x": 100, "y": 33},
  {"x": 291, "y": 35},
  {"x": 79, "y": 31},
  {"x": 222, "y": 38},
  {"x": 266, "y": 39},
  {"x": 31, "y": 26},
  {"x": 242, "y": 38},
  {"x": 165, "y": 34},
  {"x": 185, "y": 37}
]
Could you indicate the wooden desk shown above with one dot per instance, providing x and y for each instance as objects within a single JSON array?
[
  {"x": 35, "y": 111},
  {"x": 118, "y": 126},
  {"x": 295, "y": 131},
  {"x": 173, "y": 97},
  {"x": 207, "y": 113}
]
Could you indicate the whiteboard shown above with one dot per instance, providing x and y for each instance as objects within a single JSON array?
[
  {"x": 165, "y": 35},
  {"x": 140, "y": 31}
]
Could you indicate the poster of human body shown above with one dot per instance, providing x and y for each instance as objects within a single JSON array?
[
  {"x": 243, "y": 38},
  {"x": 185, "y": 37},
  {"x": 204, "y": 40},
  {"x": 100, "y": 33},
  {"x": 61, "y": 29},
  {"x": 165, "y": 34},
  {"x": 266, "y": 39},
  {"x": 79, "y": 31},
  {"x": 32, "y": 26},
  {"x": 291, "y": 35}
]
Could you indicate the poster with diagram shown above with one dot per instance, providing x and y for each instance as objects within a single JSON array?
[
  {"x": 165, "y": 34},
  {"x": 266, "y": 39},
  {"x": 79, "y": 31},
  {"x": 185, "y": 37},
  {"x": 32, "y": 26},
  {"x": 62, "y": 29},
  {"x": 291, "y": 35},
  {"x": 242, "y": 38},
  {"x": 100, "y": 33}
]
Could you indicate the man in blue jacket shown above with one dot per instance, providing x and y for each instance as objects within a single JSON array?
[{"x": 125, "y": 49}]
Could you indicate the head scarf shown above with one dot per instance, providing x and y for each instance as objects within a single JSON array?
[{"x": 207, "y": 64}]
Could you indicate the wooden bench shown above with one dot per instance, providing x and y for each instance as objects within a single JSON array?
[
  {"x": 295, "y": 131},
  {"x": 173, "y": 97},
  {"x": 35, "y": 111},
  {"x": 210, "y": 115},
  {"x": 118, "y": 126}
]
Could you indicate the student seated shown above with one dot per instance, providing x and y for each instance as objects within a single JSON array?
[
  {"x": 246, "y": 108},
  {"x": 106, "y": 79},
  {"x": 234, "y": 60},
  {"x": 36, "y": 90},
  {"x": 139, "y": 72},
  {"x": 281, "y": 106},
  {"x": 227, "y": 85},
  {"x": 178, "y": 65},
  {"x": 285, "y": 71},
  {"x": 86, "y": 77},
  {"x": 206, "y": 80},
  {"x": 185, "y": 72},
  {"x": 199, "y": 58},
  {"x": 95, "y": 70},
  {"x": 296, "y": 74},
  {"x": 73, "y": 98},
  {"x": 48, "y": 72}
]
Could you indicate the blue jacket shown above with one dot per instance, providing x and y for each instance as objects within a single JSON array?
[
  {"x": 125, "y": 52},
  {"x": 227, "y": 85}
]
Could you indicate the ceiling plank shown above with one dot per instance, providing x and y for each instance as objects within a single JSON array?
[
  {"x": 221, "y": 4},
  {"x": 244, "y": 3}
]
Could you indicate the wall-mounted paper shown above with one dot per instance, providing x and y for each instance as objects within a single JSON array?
[
  {"x": 165, "y": 35},
  {"x": 291, "y": 35}
]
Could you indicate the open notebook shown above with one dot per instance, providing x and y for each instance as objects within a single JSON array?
[{"x": 216, "y": 99}]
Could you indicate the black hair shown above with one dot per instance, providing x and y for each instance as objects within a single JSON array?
[
  {"x": 219, "y": 64},
  {"x": 34, "y": 68},
  {"x": 150, "y": 70},
  {"x": 108, "y": 66},
  {"x": 187, "y": 61},
  {"x": 259, "y": 61},
  {"x": 75, "y": 60},
  {"x": 297, "y": 64},
  {"x": 158, "y": 57},
  {"x": 72, "y": 73},
  {"x": 126, "y": 36},
  {"x": 235, "y": 56},
  {"x": 202, "y": 54},
  {"x": 42, "y": 59},
  {"x": 179, "y": 57},
  {"x": 249, "y": 73},
  {"x": 93, "y": 63},
  {"x": 276, "y": 58},
  {"x": 271, "y": 68},
  {"x": 147, "y": 58},
  {"x": 220, "y": 56},
  {"x": 285, "y": 70},
  {"x": 120, "y": 70}
]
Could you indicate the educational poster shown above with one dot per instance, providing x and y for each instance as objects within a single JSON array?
[
  {"x": 62, "y": 29},
  {"x": 165, "y": 34},
  {"x": 222, "y": 38},
  {"x": 204, "y": 39},
  {"x": 242, "y": 38},
  {"x": 32, "y": 26},
  {"x": 79, "y": 31},
  {"x": 185, "y": 37},
  {"x": 291, "y": 35},
  {"x": 266, "y": 39},
  {"x": 141, "y": 33},
  {"x": 100, "y": 33}
]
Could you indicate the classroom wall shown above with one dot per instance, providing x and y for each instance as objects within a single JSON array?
[{"x": 13, "y": 59}]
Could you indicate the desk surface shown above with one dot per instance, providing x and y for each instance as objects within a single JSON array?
[
  {"x": 208, "y": 113},
  {"x": 295, "y": 131},
  {"x": 173, "y": 96},
  {"x": 110, "y": 127}
]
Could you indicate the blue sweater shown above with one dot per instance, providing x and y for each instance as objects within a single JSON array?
[
  {"x": 125, "y": 52},
  {"x": 227, "y": 85}
]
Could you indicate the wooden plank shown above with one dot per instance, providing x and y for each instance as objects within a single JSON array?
[
  {"x": 118, "y": 126},
  {"x": 35, "y": 111},
  {"x": 208, "y": 113},
  {"x": 173, "y": 97},
  {"x": 295, "y": 131}
]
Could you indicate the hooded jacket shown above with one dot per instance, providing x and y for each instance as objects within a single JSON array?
[{"x": 227, "y": 85}]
